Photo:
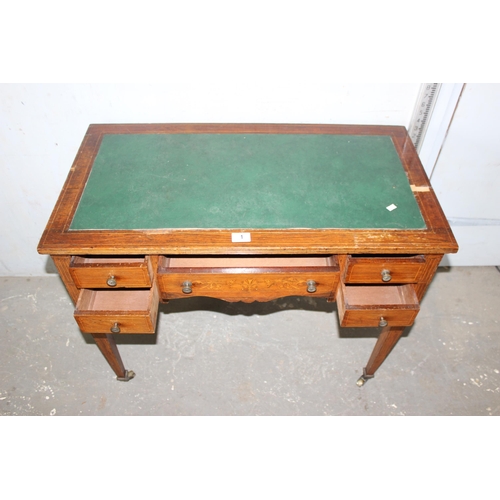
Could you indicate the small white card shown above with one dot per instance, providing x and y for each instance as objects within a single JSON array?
[
  {"x": 391, "y": 207},
  {"x": 241, "y": 237}
]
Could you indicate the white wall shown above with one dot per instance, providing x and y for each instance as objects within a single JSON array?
[
  {"x": 466, "y": 177},
  {"x": 42, "y": 125}
]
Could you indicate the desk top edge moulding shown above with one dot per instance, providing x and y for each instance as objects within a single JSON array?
[{"x": 148, "y": 211}]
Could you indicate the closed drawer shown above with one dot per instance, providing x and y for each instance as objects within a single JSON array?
[
  {"x": 117, "y": 311},
  {"x": 111, "y": 272},
  {"x": 247, "y": 278},
  {"x": 367, "y": 305},
  {"x": 384, "y": 269}
]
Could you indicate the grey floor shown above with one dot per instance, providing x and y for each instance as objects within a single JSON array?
[{"x": 286, "y": 357}]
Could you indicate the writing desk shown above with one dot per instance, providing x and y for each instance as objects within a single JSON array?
[{"x": 246, "y": 212}]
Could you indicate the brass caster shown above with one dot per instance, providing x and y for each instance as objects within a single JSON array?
[
  {"x": 363, "y": 379},
  {"x": 129, "y": 375}
]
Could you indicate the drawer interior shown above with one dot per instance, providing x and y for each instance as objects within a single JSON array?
[
  {"x": 200, "y": 263},
  {"x": 90, "y": 261},
  {"x": 376, "y": 296},
  {"x": 114, "y": 300}
]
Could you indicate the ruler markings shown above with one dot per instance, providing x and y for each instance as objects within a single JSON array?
[{"x": 423, "y": 111}]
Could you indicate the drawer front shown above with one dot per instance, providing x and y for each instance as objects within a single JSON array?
[
  {"x": 115, "y": 323},
  {"x": 247, "y": 287},
  {"x": 111, "y": 272},
  {"x": 248, "y": 278},
  {"x": 117, "y": 311},
  {"x": 373, "y": 317},
  {"x": 384, "y": 270},
  {"x": 367, "y": 306}
]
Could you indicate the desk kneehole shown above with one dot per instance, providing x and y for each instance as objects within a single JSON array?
[
  {"x": 247, "y": 279},
  {"x": 368, "y": 306},
  {"x": 117, "y": 311}
]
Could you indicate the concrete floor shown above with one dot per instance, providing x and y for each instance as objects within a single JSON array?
[{"x": 286, "y": 357}]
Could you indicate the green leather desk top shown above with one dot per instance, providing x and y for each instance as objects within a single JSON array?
[{"x": 259, "y": 181}]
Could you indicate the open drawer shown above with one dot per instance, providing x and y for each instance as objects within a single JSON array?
[
  {"x": 111, "y": 272},
  {"x": 377, "y": 305},
  {"x": 117, "y": 311},
  {"x": 248, "y": 278}
]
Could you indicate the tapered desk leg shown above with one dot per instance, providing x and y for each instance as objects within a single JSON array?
[
  {"x": 107, "y": 346},
  {"x": 385, "y": 342}
]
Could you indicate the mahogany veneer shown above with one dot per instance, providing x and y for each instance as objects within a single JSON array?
[{"x": 117, "y": 277}]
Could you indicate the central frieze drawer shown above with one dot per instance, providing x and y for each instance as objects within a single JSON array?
[
  {"x": 111, "y": 272},
  {"x": 384, "y": 269},
  {"x": 117, "y": 311},
  {"x": 247, "y": 278}
]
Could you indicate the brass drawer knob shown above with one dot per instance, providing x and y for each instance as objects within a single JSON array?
[
  {"x": 111, "y": 281},
  {"x": 311, "y": 286},
  {"x": 115, "y": 328},
  {"x": 382, "y": 322},
  {"x": 386, "y": 275},
  {"x": 187, "y": 287}
]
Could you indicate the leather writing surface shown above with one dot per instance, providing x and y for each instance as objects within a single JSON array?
[{"x": 261, "y": 181}]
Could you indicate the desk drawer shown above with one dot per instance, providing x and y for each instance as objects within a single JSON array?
[
  {"x": 117, "y": 311},
  {"x": 384, "y": 269},
  {"x": 111, "y": 272},
  {"x": 366, "y": 305},
  {"x": 247, "y": 278}
]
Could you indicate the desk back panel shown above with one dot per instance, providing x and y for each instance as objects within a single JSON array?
[{"x": 259, "y": 181}]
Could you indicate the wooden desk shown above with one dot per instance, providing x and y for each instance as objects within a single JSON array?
[{"x": 153, "y": 213}]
